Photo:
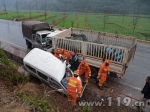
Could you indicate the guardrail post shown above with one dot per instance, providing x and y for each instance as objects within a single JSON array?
[
  {"x": 84, "y": 48},
  {"x": 99, "y": 36},
  {"x": 126, "y": 56}
]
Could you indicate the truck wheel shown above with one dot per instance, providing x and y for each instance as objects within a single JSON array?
[
  {"x": 94, "y": 72},
  {"x": 29, "y": 45}
]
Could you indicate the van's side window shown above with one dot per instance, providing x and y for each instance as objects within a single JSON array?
[
  {"x": 30, "y": 68},
  {"x": 42, "y": 75}
]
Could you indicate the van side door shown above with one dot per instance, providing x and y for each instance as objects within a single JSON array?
[
  {"x": 54, "y": 84},
  {"x": 43, "y": 78}
]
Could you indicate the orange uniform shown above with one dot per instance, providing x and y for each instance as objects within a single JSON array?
[
  {"x": 56, "y": 53},
  {"x": 102, "y": 73},
  {"x": 74, "y": 87},
  {"x": 84, "y": 68},
  {"x": 65, "y": 55}
]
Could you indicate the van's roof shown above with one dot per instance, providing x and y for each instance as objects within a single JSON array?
[{"x": 46, "y": 63}]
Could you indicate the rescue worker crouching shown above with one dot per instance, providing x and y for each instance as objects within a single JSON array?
[
  {"x": 102, "y": 74},
  {"x": 65, "y": 55},
  {"x": 56, "y": 53},
  {"x": 84, "y": 68},
  {"x": 74, "y": 88},
  {"x": 74, "y": 62}
]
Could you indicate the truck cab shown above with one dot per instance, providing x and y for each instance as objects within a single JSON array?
[
  {"x": 35, "y": 34},
  {"x": 40, "y": 39}
]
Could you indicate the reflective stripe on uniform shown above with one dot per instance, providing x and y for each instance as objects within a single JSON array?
[
  {"x": 79, "y": 92},
  {"x": 70, "y": 84}
]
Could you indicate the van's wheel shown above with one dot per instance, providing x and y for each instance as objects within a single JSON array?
[
  {"x": 29, "y": 45},
  {"x": 94, "y": 72}
]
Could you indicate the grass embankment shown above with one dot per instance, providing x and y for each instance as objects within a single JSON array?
[
  {"x": 8, "y": 72},
  {"x": 11, "y": 78}
]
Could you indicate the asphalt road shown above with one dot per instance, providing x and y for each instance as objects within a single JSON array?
[
  {"x": 134, "y": 77},
  {"x": 11, "y": 31}
]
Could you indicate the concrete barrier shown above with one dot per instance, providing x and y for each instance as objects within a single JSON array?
[{"x": 13, "y": 52}]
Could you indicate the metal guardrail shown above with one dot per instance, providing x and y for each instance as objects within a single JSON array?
[{"x": 116, "y": 54}]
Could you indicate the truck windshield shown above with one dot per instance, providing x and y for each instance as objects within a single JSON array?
[
  {"x": 44, "y": 37},
  {"x": 68, "y": 74}
]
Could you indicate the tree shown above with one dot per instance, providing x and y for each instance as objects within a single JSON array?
[
  {"x": 5, "y": 10},
  {"x": 136, "y": 16},
  {"x": 64, "y": 12},
  {"x": 106, "y": 11},
  {"x": 86, "y": 11},
  {"x": 124, "y": 13},
  {"x": 30, "y": 10},
  {"x": 17, "y": 8},
  {"x": 36, "y": 7},
  {"x": 72, "y": 23},
  {"x": 45, "y": 8}
]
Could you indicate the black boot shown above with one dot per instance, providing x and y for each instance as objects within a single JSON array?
[
  {"x": 105, "y": 85},
  {"x": 100, "y": 87},
  {"x": 97, "y": 81}
]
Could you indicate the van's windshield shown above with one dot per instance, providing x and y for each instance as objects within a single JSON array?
[{"x": 67, "y": 74}]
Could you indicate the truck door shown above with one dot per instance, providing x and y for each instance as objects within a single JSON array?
[
  {"x": 49, "y": 42},
  {"x": 37, "y": 41}
]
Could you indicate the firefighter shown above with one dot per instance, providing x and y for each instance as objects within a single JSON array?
[
  {"x": 74, "y": 62},
  {"x": 102, "y": 73},
  {"x": 56, "y": 53},
  {"x": 65, "y": 55},
  {"x": 84, "y": 68},
  {"x": 73, "y": 88}
]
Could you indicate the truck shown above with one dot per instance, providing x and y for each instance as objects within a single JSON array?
[
  {"x": 35, "y": 33},
  {"x": 48, "y": 69},
  {"x": 94, "y": 47}
]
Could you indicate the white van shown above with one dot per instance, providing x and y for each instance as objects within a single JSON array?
[{"x": 49, "y": 69}]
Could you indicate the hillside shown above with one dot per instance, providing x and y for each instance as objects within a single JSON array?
[{"x": 94, "y": 6}]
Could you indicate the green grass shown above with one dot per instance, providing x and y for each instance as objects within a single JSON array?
[
  {"x": 54, "y": 19},
  {"x": 68, "y": 22},
  {"x": 114, "y": 23},
  {"x": 8, "y": 72},
  {"x": 10, "y": 15}
]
